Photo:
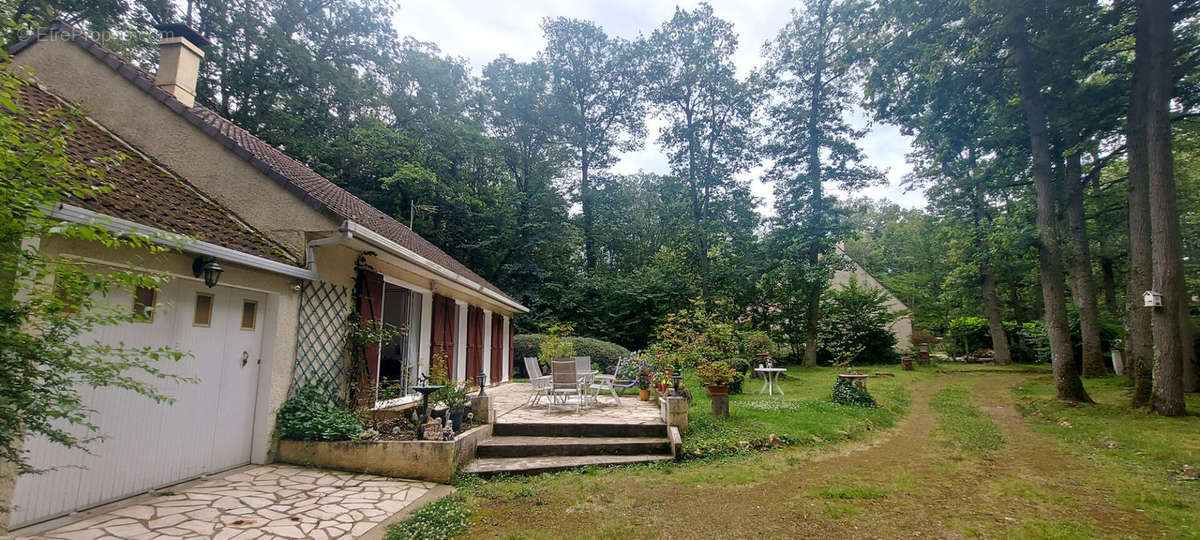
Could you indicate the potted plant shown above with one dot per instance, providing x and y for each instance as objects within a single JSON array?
[
  {"x": 716, "y": 376},
  {"x": 454, "y": 395},
  {"x": 644, "y": 378}
]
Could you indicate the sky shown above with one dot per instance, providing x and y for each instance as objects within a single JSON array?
[{"x": 481, "y": 30}]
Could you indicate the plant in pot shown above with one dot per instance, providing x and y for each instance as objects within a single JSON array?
[
  {"x": 644, "y": 378},
  {"x": 740, "y": 367},
  {"x": 454, "y": 395},
  {"x": 716, "y": 376},
  {"x": 556, "y": 345}
]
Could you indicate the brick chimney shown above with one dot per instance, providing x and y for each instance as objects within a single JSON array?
[{"x": 180, "y": 51}]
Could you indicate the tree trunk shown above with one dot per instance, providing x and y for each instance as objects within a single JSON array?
[
  {"x": 1165, "y": 236},
  {"x": 1191, "y": 371},
  {"x": 585, "y": 201},
  {"x": 1066, "y": 376},
  {"x": 813, "y": 314},
  {"x": 1084, "y": 284},
  {"x": 1139, "y": 340},
  {"x": 991, "y": 308}
]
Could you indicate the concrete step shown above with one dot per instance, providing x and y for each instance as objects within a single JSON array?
[
  {"x": 525, "y": 446},
  {"x": 579, "y": 430},
  {"x": 536, "y": 465}
]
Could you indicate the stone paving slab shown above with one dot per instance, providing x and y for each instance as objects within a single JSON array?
[
  {"x": 509, "y": 401},
  {"x": 269, "y": 501}
]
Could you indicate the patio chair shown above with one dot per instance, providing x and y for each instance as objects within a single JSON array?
[
  {"x": 616, "y": 379},
  {"x": 565, "y": 383},
  {"x": 540, "y": 383}
]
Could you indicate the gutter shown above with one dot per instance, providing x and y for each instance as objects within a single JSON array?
[
  {"x": 381, "y": 242},
  {"x": 187, "y": 244}
]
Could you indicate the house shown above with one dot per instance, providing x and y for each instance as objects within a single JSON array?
[
  {"x": 298, "y": 256},
  {"x": 902, "y": 327}
]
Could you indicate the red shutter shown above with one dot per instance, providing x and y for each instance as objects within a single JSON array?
[
  {"x": 442, "y": 340},
  {"x": 370, "y": 310},
  {"x": 474, "y": 343},
  {"x": 497, "y": 359},
  {"x": 512, "y": 349}
]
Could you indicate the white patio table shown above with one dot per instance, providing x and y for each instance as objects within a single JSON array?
[{"x": 771, "y": 376}]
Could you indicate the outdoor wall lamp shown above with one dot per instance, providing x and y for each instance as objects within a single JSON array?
[
  {"x": 482, "y": 378},
  {"x": 207, "y": 268}
]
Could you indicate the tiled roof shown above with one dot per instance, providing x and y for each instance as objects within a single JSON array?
[
  {"x": 146, "y": 192},
  {"x": 298, "y": 178}
]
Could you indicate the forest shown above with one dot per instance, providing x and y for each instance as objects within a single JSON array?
[{"x": 1056, "y": 142}]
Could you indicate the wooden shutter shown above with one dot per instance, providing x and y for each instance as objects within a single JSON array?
[
  {"x": 474, "y": 343},
  {"x": 370, "y": 311},
  {"x": 442, "y": 340},
  {"x": 497, "y": 358}
]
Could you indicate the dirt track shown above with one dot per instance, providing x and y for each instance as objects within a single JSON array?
[{"x": 917, "y": 490}]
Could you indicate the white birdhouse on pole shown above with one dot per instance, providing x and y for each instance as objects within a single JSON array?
[{"x": 1152, "y": 299}]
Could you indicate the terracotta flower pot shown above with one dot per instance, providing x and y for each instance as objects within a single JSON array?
[
  {"x": 718, "y": 390},
  {"x": 644, "y": 395}
]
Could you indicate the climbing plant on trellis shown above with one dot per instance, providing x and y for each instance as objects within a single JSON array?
[{"x": 321, "y": 338}]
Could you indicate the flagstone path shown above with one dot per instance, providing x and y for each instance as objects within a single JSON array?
[{"x": 270, "y": 501}]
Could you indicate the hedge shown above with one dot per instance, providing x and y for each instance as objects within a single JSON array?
[{"x": 603, "y": 353}]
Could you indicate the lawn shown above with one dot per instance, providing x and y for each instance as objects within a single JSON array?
[
  {"x": 802, "y": 416},
  {"x": 1149, "y": 462}
]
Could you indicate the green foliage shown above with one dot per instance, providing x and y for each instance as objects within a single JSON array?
[
  {"x": 715, "y": 373},
  {"x": 603, "y": 353},
  {"x": 845, "y": 392},
  {"x": 48, "y": 302},
  {"x": 854, "y": 325},
  {"x": 311, "y": 415},
  {"x": 555, "y": 343},
  {"x": 693, "y": 336},
  {"x": 968, "y": 334},
  {"x": 442, "y": 519},
  {"x": 453, "y": 394}
]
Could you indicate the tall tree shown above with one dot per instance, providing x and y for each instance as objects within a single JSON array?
[
  {"x": 710, "y": 111},
  {"x": 597, "y": 82},
  {"x": 811, "y": 144},
  {"x": 1156, "y": 28}
]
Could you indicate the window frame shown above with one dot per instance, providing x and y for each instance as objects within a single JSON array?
[{"x": 212, "y": 300}]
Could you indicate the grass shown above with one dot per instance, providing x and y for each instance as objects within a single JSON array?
[
  {"x": 1140, "y": 457},
  {"x": 802, "y": 416},
  {"x": 847, "y": 493},
  {"x": 961, "y": 426},
  {"x": 444, "y": 518}
]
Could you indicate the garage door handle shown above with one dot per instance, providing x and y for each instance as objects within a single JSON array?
[{"x": 245, "y": 358}]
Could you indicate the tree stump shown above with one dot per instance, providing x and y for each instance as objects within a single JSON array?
[
  {"x": 923, "y": 358},
  {"x": 720, "y": 406},
  {"x": 907, "y": 362}
]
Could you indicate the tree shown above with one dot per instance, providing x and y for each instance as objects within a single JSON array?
[
  {"x": 811, "y": 64},
  {"x": 597, "y": 83},
  {"x": 48, "y": 301},
  {"x": 1155, "y": 38},
  {"x": 709, "y": 138}
]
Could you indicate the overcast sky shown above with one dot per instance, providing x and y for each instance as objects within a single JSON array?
[{"x": 481, "y": 30}]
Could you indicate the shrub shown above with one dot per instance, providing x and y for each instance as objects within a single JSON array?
[
  {"x": 968, "y": 334},
  {"x": 855, "y": 319},
  {"x": 845, "y": 392},
  {"x": 716, "y": 373},
  {"x": 741, "y": 366},
  {"x": 603, "y": 353},
  {"x": 310, "y": 415}
]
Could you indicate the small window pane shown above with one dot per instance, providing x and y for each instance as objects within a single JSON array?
[
  {"x": 249, "y": 314},
  {"x": 144, "y": 299},
  {"x": 204, "y": 306}
]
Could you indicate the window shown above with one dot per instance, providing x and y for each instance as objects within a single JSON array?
[
  {"x": 144, "y": 299},
  {"x": 203, "y": 314},
  {"x": 249, "y": 314}
]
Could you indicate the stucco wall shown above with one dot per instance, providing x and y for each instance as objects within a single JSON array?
[
  {"x": 107, "y": 97},
  {"x": 902, "y": 327}
]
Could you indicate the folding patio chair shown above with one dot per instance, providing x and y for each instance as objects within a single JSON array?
[{"x": 540, "y": 383}]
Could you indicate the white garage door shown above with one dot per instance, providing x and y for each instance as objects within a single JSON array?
[{"x": 147, "y": 445}]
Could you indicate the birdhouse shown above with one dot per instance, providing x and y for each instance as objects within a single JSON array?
[{"x": 1152, "y": 299}]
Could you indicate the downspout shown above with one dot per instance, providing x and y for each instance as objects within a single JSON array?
[{"x": 310, "y": 251}]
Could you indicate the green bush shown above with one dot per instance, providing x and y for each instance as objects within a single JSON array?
[
  {"x": 310, "y": 415},
  {"x": 603, "y": 353},
  {"x": 855, "y": 326},
  {"x": 968, "y": 334},
  {"x": 845, "y": 392}
]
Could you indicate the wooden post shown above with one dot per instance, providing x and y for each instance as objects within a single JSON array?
[{"x": 720, "y": 406}]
